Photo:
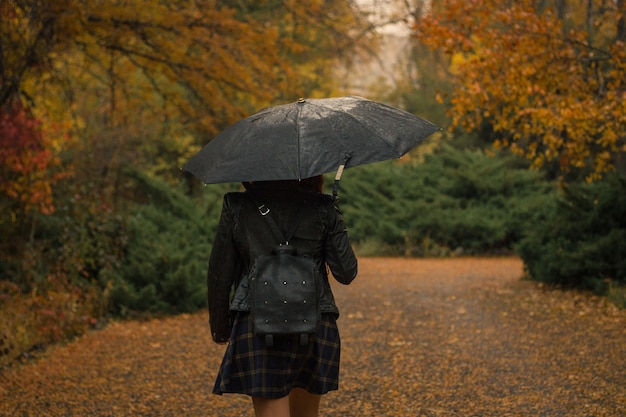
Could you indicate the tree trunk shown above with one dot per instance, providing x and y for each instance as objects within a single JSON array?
[
  {"x": 590, "y": 22},
  {"x": 561, "y": 8},
  {"x": 621, "y": 22},
  {"x": 620, "y": 159}
]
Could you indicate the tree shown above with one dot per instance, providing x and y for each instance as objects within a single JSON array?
[
  {"x": 322, "y": 35},
  {"x": 195, "y": 57},
  {"x": 149, "y": 71},
  {"x": 207, "y": 62},
  {"x": 548, "y": 77}
]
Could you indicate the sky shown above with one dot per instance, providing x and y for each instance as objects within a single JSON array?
[{"x": 384, "y": 10}]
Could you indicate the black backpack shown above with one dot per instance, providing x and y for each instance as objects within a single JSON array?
[{"x": 284, "y": 296}]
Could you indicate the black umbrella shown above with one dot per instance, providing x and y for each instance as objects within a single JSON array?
[{"x": 308, "y": 138}]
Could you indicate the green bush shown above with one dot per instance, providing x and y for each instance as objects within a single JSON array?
[
  {"x": 582, "y": 241},
  {"x": 456, "y": 201},
  {"x": 169, "y": 239},
  {"x": 148, "y": 255}
]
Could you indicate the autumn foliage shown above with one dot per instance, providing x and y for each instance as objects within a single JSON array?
[
  {"x": 550, "y": 82},
  {"x": 25, "y": 160}
]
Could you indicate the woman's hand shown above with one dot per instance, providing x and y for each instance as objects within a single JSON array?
[{"x": 220, "y": 340}]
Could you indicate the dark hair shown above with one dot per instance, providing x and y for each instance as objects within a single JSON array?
[
  {"x": 311, "y": 184},
  {"x": 315, "y": 183}
]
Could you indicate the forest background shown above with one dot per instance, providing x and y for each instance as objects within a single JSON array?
[{"x": 101, "y": 106}]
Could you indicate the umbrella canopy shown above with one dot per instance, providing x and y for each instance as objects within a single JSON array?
[{"x": 308, "y": 138}]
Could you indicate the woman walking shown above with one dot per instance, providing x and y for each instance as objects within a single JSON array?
[{"x": 286, "y": 377}]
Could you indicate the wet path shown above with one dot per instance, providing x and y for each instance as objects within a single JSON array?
[{"x": 454, "y": 337}]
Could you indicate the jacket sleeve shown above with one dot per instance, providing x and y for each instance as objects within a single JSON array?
[
  {"x": 224, "y": 268},
  {"x": 340, "y": 257}
]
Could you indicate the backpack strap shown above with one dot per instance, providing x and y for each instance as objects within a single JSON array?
[{"x": 265, "y": 212}]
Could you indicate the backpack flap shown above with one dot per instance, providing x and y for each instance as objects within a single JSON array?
[{"x": 284, "y": 298}]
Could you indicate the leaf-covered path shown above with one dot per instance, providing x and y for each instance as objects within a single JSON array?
[{"x": 454, "y": 337}]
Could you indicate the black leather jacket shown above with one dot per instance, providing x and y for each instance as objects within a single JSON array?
[{"x": 243, "y": 235}]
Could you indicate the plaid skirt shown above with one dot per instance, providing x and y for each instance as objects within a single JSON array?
[{"x": 250, "y": 367}]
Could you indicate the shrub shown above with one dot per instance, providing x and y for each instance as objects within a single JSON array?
[
  {"x": 456, "y": 201},
  {"x": 582, "y": 242},
  {"x": 163, "y": 269}
]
